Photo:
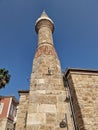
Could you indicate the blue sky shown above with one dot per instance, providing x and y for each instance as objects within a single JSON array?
[{"x": 75, "y": 36}]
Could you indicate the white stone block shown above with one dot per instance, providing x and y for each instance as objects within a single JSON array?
[
  {"x": 47, "y": 108},
  {"x": 36, "y": 118},
  {"x": 42, "y": 81}
]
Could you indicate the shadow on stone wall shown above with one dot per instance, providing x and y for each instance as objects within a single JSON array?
[{"x": 77, "y": 109}]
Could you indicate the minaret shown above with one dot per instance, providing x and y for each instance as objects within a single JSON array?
[
  {"x": 43, "y": 107},
  {"x": 46, "y": 84},
  {"x": 46, "y": 107}
]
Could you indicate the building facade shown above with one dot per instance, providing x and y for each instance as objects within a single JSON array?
[
  {"x": 56, "y": 101},
  {"x": 8, "y": 110},
  {"x": 82, "y": 86}
]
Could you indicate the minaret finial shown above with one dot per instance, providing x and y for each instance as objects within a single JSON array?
[
  {"x": 44, "y": 14},
  {"x": 43, "y": 17}
]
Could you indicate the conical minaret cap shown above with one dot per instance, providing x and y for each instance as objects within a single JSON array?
[{"x": 44, "y": 16}]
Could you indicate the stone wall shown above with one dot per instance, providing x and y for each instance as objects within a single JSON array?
[
  {"x": 84, "y": 92},
  {"x": 3, "y": 122},
  {"x": 47, "y": 106},
  {"x": 22, "y": 110}
]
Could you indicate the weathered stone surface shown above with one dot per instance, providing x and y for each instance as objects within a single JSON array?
[
  {"x": 61, "y": 107},
  {"x": 35, "y": 127},
  {"x": 22, "y": 112},
  {"x": 46, "y": 127},
  {"x": 43, "y": 99},
  {"x": 46, "y": 105},
  {"x": 44, "y": 108},
  {"x": 50, "y": 118},
  {"x": 33, "y": 107},
  {"x": 3, "y": 122},
  {"x": 36, "y": 118},
  {"x": 84, "y": 91}
]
